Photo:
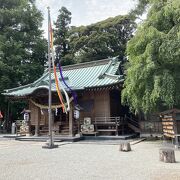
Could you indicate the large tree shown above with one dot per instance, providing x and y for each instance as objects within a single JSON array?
[
  {"x": 140, "y": 8},
  {"x": 153, "y": 71},
  {"x": 104, "y": 39},
  {"x": 61, "y": 35},
  {"x": 22, "y": 47}
]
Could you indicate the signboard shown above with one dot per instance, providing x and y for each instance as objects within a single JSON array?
[{"x": 168, "y": 126}]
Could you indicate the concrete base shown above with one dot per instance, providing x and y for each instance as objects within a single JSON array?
[
  {"x": 123, "y": 137},
  {"x": 45, "y": 138},
  {"x": 145, "y": 135},
  {"x": 36, "y": 135},
  {"x": 48, "y": 146}
]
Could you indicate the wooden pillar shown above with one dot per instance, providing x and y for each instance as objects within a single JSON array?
[
  {"x": 71, "y": 123},
  {"x": 93, "y": 109},
  {"x": 175, "y": 130},
  {"x": 9, "y": 121},
  {"x": 37, "y": 123}
]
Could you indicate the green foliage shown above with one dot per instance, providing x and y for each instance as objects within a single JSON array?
[
  {"x": 139, "y": 9},
  {"x": 153, "y": 75},
  {"x": 22, "y": 47},
  {"x": 101, "y": 40},
  {"x": 61, "y": 33}
]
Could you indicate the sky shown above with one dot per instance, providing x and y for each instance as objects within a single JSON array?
[{"x": 85, "y": 12}]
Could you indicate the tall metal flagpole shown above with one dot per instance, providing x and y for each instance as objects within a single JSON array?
[
  {"x": 50, "y": 144},
  {"x": 49, "y": 62}
]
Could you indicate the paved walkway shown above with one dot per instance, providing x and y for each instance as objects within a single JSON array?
[{"x": 73, "y": 161}]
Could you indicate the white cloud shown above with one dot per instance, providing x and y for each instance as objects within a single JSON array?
[
  {"x": 85, "y": 12},
  {"x": 105, "y": 8}
]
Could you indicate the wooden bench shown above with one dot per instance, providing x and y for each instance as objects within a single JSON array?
[{"x": 107, "y": 124}]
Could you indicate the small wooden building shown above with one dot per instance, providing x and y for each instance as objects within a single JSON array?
[
  {"x": 171, "y": 124},
  {"x": 98, "y": 85}
]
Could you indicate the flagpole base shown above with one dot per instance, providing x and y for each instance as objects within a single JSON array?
[{"x": 50, "y": 146}]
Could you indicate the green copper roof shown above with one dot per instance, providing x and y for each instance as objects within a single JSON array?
[{"x": 78, "y": 77}]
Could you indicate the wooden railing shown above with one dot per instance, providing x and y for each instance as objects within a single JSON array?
[
  {"x": 107, "y": 120},
  {"x": 107, "y": 124},
  {"x": 132, "y": 121}
]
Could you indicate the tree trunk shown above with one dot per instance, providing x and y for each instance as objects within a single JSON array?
[
  {"x": 167, "y": 155},
  {"x": 125, "y": 146}
]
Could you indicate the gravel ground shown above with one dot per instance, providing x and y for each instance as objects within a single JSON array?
[{"x": 75, "y": 161}]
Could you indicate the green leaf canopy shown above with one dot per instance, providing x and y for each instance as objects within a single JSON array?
[
  {"x": 104, "y": 39},
  {"x": 22, "y": 47},
  {"x": 153, "y": 70}
]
